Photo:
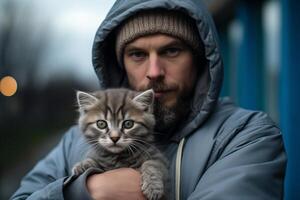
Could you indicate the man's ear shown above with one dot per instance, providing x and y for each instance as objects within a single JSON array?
[
  {"x": 145, "y": 100},
  {"x": 85, "y": 100}
]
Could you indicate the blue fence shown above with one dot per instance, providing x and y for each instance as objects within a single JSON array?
[
  {"x": 290, "y": 93},
  {"x": 246, "y": 73}
]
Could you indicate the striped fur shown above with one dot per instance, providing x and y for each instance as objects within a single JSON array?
[{"x": 118, "y": 123}]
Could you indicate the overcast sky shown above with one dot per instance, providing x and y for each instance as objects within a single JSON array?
[{"x": 72, "y": 25}]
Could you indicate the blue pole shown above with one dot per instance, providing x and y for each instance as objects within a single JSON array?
[
  {"x": 290, "y": 94},
  {"x": 250, "y": 59}
]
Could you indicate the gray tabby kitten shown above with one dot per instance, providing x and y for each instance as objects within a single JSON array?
[{"x": 118, "y": 123}]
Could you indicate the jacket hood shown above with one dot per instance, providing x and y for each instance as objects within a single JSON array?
[{"x": 209, "y": 82}]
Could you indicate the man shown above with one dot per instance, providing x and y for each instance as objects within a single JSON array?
[{"x": 216, "y": 150}]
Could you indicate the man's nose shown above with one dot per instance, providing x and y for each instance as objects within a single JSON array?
[{"x": 155, "y": 68}]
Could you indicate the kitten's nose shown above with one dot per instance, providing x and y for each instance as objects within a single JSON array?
[{"x": 115, "y": 139}]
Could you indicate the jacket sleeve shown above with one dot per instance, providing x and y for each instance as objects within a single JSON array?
[
  {"x": 250, "y": 165},
  {"x": 46, "y": 179}
]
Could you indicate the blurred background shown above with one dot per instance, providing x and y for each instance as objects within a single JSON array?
[{"x": 46, "y": 47}]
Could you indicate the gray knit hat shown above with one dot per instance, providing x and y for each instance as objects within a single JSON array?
[{"x": 173, "y": 23}]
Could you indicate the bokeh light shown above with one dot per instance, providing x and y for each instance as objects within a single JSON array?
[{"x": 8, "y": 86}]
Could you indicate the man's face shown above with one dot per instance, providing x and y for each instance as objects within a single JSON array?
[
  {"x": 163, "y": 63},
  {"x": 166, "y": 65}
]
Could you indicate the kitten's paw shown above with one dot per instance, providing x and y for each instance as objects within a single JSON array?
[
  {"x": 77, "y": 169},
  {"x": 81, "y": 167},
  {"x": 153, "y": 190}
]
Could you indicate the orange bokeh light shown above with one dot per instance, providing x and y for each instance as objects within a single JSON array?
[{"x": 8, "y": 86}]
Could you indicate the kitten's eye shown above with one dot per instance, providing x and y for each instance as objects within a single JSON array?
[
  {"x": 128, "y": 124},
  {"x": 101, "y": 124}
]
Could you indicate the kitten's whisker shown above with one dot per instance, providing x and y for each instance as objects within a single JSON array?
[
  {"x": 133, "y": 147},
  {"x": 85, "y": 147},
  {"x": 130, "y": 149},
  {"x": 138, "y": 139},
  {"x": 141, "y": 147},
  {"x": 140, "y": 151},
  {"x": 152, "y": 144},
  {"x": 93, "y": 148},
  {"x": 143, "y": 142}
]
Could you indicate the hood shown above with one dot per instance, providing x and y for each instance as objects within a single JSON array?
[{"x": 209, "y": 82}]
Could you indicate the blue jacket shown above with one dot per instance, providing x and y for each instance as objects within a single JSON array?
[{"x": 229, "y": 153}]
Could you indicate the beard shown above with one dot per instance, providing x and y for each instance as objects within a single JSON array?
[{"x": 169, "y": 118}]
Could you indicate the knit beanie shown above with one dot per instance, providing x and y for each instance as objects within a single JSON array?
[{"x": 172, "y": 23}]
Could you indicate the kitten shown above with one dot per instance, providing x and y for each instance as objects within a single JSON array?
[{"x": 118, "y": 123}]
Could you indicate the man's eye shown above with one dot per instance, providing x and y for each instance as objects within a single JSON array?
[
  {"x": 137, "y": 55},
  {"x": 172, "y": 52}
]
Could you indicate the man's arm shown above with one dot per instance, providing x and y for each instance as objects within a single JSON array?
[
  {"x": 49, "y": 179},
  {"x": 251, "y": 166},
  {"x": 46, "y": 179}
]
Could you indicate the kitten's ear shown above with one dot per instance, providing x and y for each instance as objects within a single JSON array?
[
  {"x": 85, "y": 100},
  {"x": 145, "y": 99}
]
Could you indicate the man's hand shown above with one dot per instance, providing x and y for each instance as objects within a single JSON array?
[{"x": 124, "y": 183}]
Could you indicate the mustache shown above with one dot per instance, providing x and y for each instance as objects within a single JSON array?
[{"x": 160, "y": 86}]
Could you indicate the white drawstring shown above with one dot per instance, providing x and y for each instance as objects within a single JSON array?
[{"x": 178, "y": 168}]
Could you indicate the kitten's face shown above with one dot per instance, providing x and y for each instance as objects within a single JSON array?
[{"x": 117, "y": 119}]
